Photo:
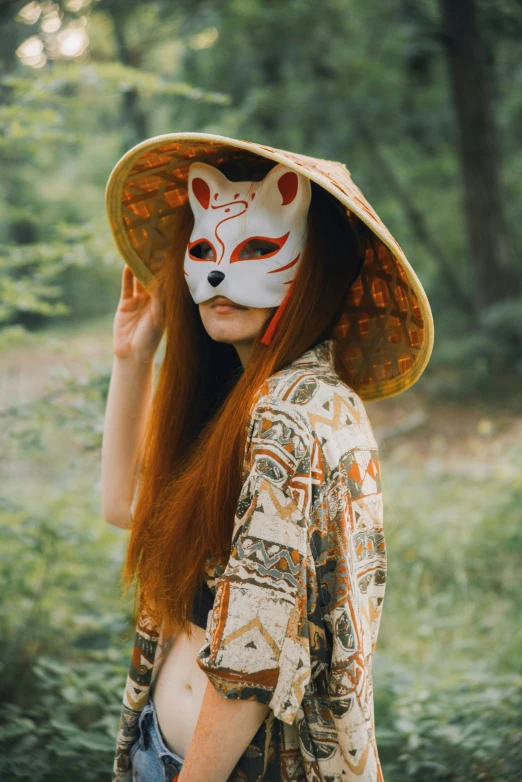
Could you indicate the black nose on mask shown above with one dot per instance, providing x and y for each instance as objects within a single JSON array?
[{"x": 215, "y": 278}]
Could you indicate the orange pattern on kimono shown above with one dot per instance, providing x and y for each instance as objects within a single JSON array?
[{"x": 297, "y": 608}]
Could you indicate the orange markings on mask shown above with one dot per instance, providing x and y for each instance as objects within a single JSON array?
[
  {"x": 287, "y": 185},
  {"x": 201, "y": 191},
  {"x": 280, "y": 242},
  {"x": 284, "y": 268}
]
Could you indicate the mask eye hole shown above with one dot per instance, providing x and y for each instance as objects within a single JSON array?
[
  {"x": 201, "y": 250},
  {"x": 257, "y": 247}
]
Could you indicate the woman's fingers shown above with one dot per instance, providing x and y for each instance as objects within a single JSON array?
[
  {"x": 127, "y": 282},
  {"x": 130, "y": 285},
  {"x": 139, "y": 287}
]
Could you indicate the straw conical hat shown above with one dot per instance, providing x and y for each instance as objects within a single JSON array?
[{"x": 387, "y": 326}]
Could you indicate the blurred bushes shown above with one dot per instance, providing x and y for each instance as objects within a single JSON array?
[
  {"x": 448, "y": 691},
  {"x": 480, "y": 356},
  {"x": 469, "y": 731},
  {"x": 68, "y": 728},
  {"x": 65, "y": 633}
]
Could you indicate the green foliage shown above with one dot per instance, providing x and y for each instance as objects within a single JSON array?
[
  {"x": 70, "y": 725},
  {"x": 470, "y": 731},
  {"x": 364, "y": 84},
  {"x": 481, "y": 357},
  {"x": 60, "y": 134},
  {"x": 447, "y": 677},
  {"x": 65, "y": 631}
]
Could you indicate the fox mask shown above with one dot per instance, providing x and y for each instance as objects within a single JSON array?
[{"x": 248, "y": 237}]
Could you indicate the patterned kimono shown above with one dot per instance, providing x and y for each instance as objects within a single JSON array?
[{"x": 297, "y": 608}]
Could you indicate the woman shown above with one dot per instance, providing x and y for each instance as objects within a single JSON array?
[{"x": 256, "y": 537}]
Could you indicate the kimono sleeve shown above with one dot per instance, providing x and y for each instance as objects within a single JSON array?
[{"x": 257, "y": 644}]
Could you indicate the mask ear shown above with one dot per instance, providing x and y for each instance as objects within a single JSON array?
[
  {"x": 284, "y": 188},
  {"x": 203, "y": 182}
]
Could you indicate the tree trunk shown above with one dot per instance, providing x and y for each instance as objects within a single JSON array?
[
  {"x": 489, "y": 236},
  {"x": 134, "y": 121}
]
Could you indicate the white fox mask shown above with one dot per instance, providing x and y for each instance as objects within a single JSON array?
[{"x": 248, "y": 237}]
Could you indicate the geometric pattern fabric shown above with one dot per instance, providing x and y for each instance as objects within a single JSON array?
[{"x": 297, "y": 608}]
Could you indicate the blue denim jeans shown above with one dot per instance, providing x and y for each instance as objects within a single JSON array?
[{"x": 151, "y": 760}]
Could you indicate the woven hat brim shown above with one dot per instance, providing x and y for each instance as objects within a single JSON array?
[{"x": 387, "y": 328}]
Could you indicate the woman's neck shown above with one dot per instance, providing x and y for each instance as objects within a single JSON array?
[{"x": 244, "y": 351}]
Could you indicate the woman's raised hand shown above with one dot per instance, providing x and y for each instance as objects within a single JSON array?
[{"x": 138, "y": 323}]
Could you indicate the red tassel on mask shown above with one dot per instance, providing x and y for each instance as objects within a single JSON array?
[{"x": 269, "y": 333}]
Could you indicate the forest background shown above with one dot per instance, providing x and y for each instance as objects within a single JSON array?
[{"x": 422, "y": 99}]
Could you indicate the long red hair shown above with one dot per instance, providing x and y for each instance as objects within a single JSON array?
[{"x": 191, "y": 468}]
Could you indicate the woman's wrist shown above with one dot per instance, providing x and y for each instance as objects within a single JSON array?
[{"x": 134, "y": 359}]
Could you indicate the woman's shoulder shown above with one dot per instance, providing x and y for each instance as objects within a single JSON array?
[{"x": 310, "y": 393}]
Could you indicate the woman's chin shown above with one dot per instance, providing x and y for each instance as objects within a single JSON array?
[
  {"x": 234, "y": 327},
  {"x": 231, "y": 333}
]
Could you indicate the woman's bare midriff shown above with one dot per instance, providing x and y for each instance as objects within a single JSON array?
[{"x": 178, "y": 687}]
